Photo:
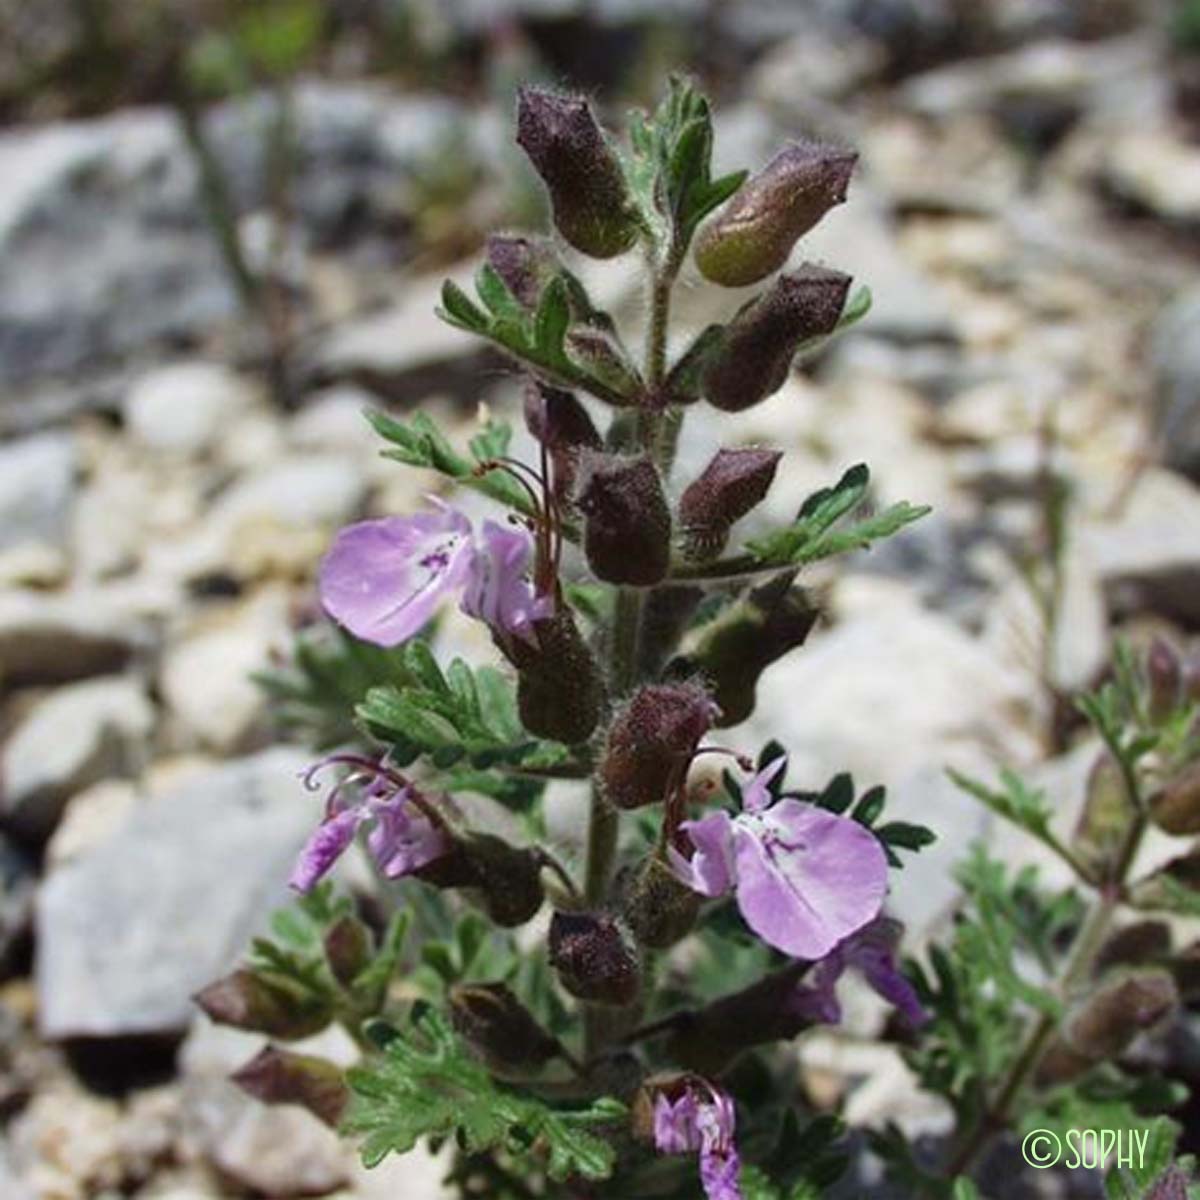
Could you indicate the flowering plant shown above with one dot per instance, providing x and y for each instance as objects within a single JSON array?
[{"x": 607, "y": 1011}]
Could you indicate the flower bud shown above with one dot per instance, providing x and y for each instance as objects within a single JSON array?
[
  {"x": 594, "y": 958},
  {"x": 560, "y": 691},
  {"x": 627, "y": 535},
  {"x": 1175, "y": 808},
  {"x": 1108, "y": 813},
  {"x": 761, "y": 340},
  {"x": 1107, "y": 1022},
  {"x": 347, "y": 949},
  {"x": 588, "y": 194},
  {"x": 525, "y": 264},
  {"x": 732, "y": 484},
  {"x": 507, "y": 878},
  {"x": 277, "y": 1076},
  {"x": 771, "y": 211},
  {"x": 500, "y": 1028},
  {"x": 1136, "y": 945},
  {"x": 561, "y": 423},
  {"x": 651, "y": 740},
  {"x": 659, "y": 908},
  {"x": 733, "y": 651},
  {"x": 245, "y": 1000},
  {"x": 1173, "y": 1184}
]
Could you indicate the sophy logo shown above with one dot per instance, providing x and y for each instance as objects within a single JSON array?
[{"x": 1088, "y": 1148}]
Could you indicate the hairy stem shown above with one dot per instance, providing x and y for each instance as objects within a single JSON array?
[{"x": 623, "y": 661}]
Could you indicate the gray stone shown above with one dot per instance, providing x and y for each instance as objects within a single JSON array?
[
  {"x": 274, "y": 1150},
  {"x": 186, "y": 406},
  {"x": 127, "y": 933},
  {"x": 37, "y": 486},
  {"x": 78, "y": 735},
  {"x": 1175, "y": 361},
  {"x": 50, "y": 638},
  {"x": 104, "y": 244},
  {"x": 206, "y": 678}
]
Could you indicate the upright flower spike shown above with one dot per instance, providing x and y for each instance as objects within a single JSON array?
[
  {"x": 754, "y": 234},
  {"x": 384, "y": 579},
  {"x": 753, "y": 360},
  {"x": 691, "y": 1116},
  {"x": 732, "y": 484},
  {"x": 871, "y": 951},
  {"x": 591, "y": 204},
  {"x": 652, "y": 740},
  {"x": 627, "y": 534},
  {"x": 804, "y": 877}
]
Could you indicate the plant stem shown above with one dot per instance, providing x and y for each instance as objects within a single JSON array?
[
  {"x": 603, "y": 819},
  {"x": 1084, "y": 949}
]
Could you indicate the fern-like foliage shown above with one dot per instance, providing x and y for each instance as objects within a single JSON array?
[{"x": 425, "y": 1083}]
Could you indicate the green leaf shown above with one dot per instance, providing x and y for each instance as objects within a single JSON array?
[
  {"x": 313, "y": 697},
  {"x": 419, "y": 442},
  {"x": 551, "y": 321},
  {"x": 465, "y": 713},
  {"x": 459, "y": 309},
  {"x": 1017, "y": 802},
  {"x": 427, "y": 1085},
  {"x": 812, "y": 535}
]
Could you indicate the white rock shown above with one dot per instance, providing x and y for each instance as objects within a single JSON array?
[
  {"x": 81, "y": 733},
  {"x": 1148, "y": 555},
  {"x": 206, "y": 675},
  {"x": 276, "y": 1150},
  {"x": 888, "y": 694},
  {"x": 1158, "y": 170},
  {"x": 187, "y": 880},
  {"x": 184, "y": 407}
]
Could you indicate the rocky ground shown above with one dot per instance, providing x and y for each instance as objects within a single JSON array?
[{"x": 1027, "y": 219}]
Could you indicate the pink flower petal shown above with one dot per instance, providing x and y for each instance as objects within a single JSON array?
[
  {"x": 326, "y": 844},
  {"x": 756, "y": 795},
  {"x": 710, "y": 871},
  {"x": 498, "y": 591},
  {"x": 384, "y": 579},
  {"x": 807, "y": 878}
]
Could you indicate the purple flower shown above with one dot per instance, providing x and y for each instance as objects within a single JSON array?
[
  {"x": 701, "y": 1120},
  {"x": 805, "y": 878},
  {"x": 384, "y": 579},
  {"x": 872, "y": 950},
  {"x": 402, "y": 839},
  {"x": 498, "y": 591}
]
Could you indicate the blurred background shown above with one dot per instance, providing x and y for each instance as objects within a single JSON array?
[{"x": 223, "y": 228}]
